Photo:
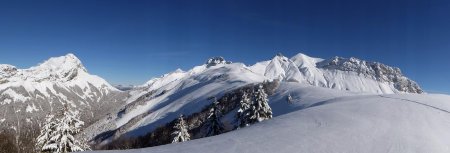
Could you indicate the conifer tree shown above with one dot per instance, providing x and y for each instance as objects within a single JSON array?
[
  {"x": 243, "y": 113},
  {"x": 58, "y": 135},
  {"x": 260, "y": 108},
  {"x": 254, "y": 110},
  {"x": 181, "y": 133},
  {"x": 47, "y": 130},
  {"x": 214, "y": 125}
]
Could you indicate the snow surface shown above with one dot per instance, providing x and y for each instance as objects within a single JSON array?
[
  {"x": 188, "y": 95},
  {"x": 64, "y": 72},
  {"x": 346, "y": 74},
  {"x": 323, "y": 120},
  {"x": 67, "y": 71},
  {"x": 29, "y": 94},
  {"x": 163, "y": 99}
]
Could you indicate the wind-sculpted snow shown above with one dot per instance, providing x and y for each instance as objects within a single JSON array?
[{"x": 320, "y": 120}]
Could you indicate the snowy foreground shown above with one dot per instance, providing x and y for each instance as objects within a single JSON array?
[{"x": 326, "y": 120}]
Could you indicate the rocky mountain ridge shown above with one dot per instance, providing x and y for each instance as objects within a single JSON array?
[{"x": 162, "y": 99}]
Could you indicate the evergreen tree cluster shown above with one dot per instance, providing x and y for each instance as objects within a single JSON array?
[
  {"x": 251, "y": 102},
  {"x": 254, "y": 108},
  {"x": 58, "y": 134}
]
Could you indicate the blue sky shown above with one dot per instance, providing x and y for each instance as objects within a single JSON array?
[{"x": 130, "y": 41}]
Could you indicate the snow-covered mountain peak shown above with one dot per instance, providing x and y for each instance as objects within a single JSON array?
[
  {"x": 29, "y": 94},
  {"x": 7, "y": 70},
  {"x": 6, "y": 67},
  {"x": 303, "y": 60},
  {"x": 68, "y": 61},
  {"x": 341, "y": 73},
  {"x": 178, "y": 71},
  {"x": 63, "y": 68},
  {"x": 216, "y": 61},
  {"x": 161, "y": 99},
  {"x": 377, "y": 70},
  {"x": 66, "y": 69},
  {"x": 373, "y": 70},
  {"x": 277, "y": 67},
  {"x": 280, "y": 57}
]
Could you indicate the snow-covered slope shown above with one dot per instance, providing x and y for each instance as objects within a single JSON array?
[
  {"x": 338, "y": 73},
  {"x": 26, "y": 95},
  {"x": 162, "y": 99},
  {"x": 179, "y": 92},
  {"x": 322, "y": 120}
]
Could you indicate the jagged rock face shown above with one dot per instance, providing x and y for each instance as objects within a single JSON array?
[
  {"x": 216, "y": 61},
  {"x": 374, "y": 70},
  {"x": 338, "y": 73},
  {"x": 27, "y": 95},
  {"x": 7, "y": 70}
]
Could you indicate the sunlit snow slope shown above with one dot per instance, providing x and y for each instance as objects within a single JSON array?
[
  {"x": 322, "y": 120},
  {"x": 162, "y": 99},
  {"x": 27, "y": 95}
]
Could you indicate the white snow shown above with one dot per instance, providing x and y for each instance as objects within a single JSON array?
[
  {"x": 6, "y": 101},
  {"x": 276, "y": 68},
  {"x": 302, "y": 68},
  {"x": 324, "y": 120},
  {"x": 28, "y": 120},
  {"x": 14, "y": 95},
  {"x": 190, "y": 94},
  {"x": 64, "y": 72},
  {"x": 185, "y": 92},
  {"x": 31, "y": 108}
]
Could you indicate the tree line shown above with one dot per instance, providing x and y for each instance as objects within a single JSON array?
[{"x": 249, "y": 105}]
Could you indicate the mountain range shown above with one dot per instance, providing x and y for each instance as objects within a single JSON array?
[
  {"x": 162, "y": 99},
  {"x": 27, "y": 95}
]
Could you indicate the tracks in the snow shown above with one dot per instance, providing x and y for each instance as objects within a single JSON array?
[{"x": 412, "y": 101}]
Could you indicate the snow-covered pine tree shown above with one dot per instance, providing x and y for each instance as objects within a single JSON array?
[
  {"x": 243, "y": 114},
  {"x": 181, "y": 133},
  {"x": 62, "y": 139},
  {"x": 214, "y": 125},
  {"x": 47, "y": 130},
  {"x": 260, "y": 107}
]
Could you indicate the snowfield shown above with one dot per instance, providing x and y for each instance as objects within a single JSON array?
[
  {"x": 319, "y": 105},
  {"x": 322, "y": 120},
  {"x": 162, "y": 99},
  {"x": 312, "y": 83}
]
